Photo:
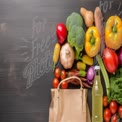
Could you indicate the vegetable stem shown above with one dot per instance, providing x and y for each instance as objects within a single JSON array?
[
  {"x": 92, "y": 39},
  {"x": 104, "y": 73},
  {"x": 75, "y": 72},
  {"x": 54, "y": 66},
  {"x": 114, "y": 28}
]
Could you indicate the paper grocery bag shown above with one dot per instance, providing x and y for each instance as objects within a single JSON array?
[{"x": 69, "y": 105}]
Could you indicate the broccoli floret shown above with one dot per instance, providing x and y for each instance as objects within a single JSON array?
[
  {"x": 76, "y": 33},
  {"x": 74, "y": 19},
  {"x": 76, "y": 37}
]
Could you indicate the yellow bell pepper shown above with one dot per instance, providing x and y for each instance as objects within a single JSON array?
[
  {"x": 92, "y": 41},
  {"x": 87, "y": 60},
  {"x": 113, "y": 32}
]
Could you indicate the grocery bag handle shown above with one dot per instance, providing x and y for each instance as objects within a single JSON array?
[{"x": 81, "y": 86}]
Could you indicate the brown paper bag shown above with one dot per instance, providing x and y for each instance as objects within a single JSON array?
[{"x": 69, "y": 105}]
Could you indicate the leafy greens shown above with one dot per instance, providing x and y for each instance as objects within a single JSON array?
[{"x": 116, "y": 86}]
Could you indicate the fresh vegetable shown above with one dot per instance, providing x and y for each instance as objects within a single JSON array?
[
  {"x": 120, "y": 56},
  {"x": 100, "y": 26},
  {"x": 110, "y": 60},
  {"x": 114, "y": 118},
  {"x": 67, "y": 56},
  {"x": 104, "y": 73},
  {"x": 57, "y": 72},
  {"x": 88, "y": 16},
  {"x": 76, "y": 33},
  {"x": 86, "y": 85},
  {"x": 113, "y": 32},
  {"x": 116, "y": 86},
  {"x": 61, "y": 32},
  {"x": 87, "y": 60},
  {"x": 92, "y": 41},
  {"x": 120, "y": 111},
  {"x": 113, "y": 107},
  {"x": 90, "y": 74},
  {"x": 55, "y": 82},
  {"x": 76, "y": 37},
  {"x": 64, "y": 85},
  {"x": 81, "y": 65},
  {"x": 107, "y": 115},
  {"x": 63, "y": 74},
  {"x": 56, "y": 54},
  {"x": 76, "y": 82},
  {"x": 105, "y": 101},
  {"x": 74, "y": 19},
  {"x": 75, "y": 72},
  {"x": 99, "y": 20},
  {"x": 83, "y": 79}
]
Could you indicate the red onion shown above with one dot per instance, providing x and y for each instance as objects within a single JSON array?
[
  {"x": 90, "y": 74},
  {"x": 120, "y": 56},
  {"x": 90, "y": 82}
]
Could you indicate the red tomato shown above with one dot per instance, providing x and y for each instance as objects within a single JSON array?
[
  {"x": 120, "y": 56},
  {"x": 61, "y": 32},
  {"x": 63, "y": 74},
  {"x": 57, "y": 72},
  {"x": 110, "y": 60},
  {"x": 107, "y": 114},
  {"x": 64, "y": 85},
  {"x": 120, "y": 111},
  {"x": 105, "y": 101},
  {"x": 113, "y": 107},
  {"x": 114, "y": 118},
  {"x": 55, "y": 82}
]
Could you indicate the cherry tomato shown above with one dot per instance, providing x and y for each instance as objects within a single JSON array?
[
  {"x": 57, "y": 72},
  {"x": 107, "y": 114},
  {"x": 55, "y": 82},
  {"x": 120, "y": 111},
  {"x": 105, "y": 101},
  {"x": 64, "y": 85},
  {"x": 63, "y": 74},
  {"x": 61, "y": 32},
  {"x": 113, "y": 106},
  {"x": 114, "y": 118},
  {"x": 110, "y": 60}
]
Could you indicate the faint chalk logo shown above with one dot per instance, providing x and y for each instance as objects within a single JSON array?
[
  {"x": 107, "y": 5},
  {"x": 40, "y": 58}
]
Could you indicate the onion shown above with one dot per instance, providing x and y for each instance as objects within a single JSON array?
[
  {"x": 120, "y": 56},
  {"x": 90, "y": 82},
  {"x": 90, "y": 74}
]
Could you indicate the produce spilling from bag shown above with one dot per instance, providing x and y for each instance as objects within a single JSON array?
[{"x": 84, "y": 40}]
